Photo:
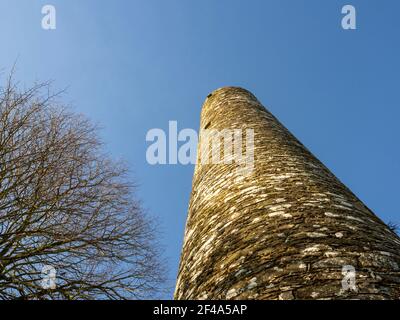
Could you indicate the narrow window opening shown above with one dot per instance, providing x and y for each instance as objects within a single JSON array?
[{"x": 207, "y": 125}]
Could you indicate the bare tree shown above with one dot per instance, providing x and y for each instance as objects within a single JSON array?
[{"x": 65, "y": 205}]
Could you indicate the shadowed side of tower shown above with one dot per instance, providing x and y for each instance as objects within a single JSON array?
[{"x": 284, "y": 231}]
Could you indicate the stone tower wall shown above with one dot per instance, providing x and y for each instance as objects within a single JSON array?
[{"x": 286, "y": 230}]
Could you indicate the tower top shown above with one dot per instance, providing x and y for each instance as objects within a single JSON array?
[{"x": 229, "y": 90}]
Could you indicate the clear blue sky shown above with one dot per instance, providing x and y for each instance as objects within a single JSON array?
[{"x": 135, "y": 65}]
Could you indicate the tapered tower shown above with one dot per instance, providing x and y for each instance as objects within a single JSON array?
[{"x": 289, "y": 229}]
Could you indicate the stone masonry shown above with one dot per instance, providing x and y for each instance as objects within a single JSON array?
[{"x": 286, "y": 230}]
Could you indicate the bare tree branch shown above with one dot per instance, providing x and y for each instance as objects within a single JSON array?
[{"x": 65, "y": 204}]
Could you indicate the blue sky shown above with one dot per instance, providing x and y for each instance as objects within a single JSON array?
[{"x": 135, "y": 65}]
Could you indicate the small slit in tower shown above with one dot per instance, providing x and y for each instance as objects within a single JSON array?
[
  {"x": 209, "y": 95},
  {"x": 207, "y": 125}
]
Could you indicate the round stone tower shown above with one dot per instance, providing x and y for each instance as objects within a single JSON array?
[{"x": 287, "y": 229}]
